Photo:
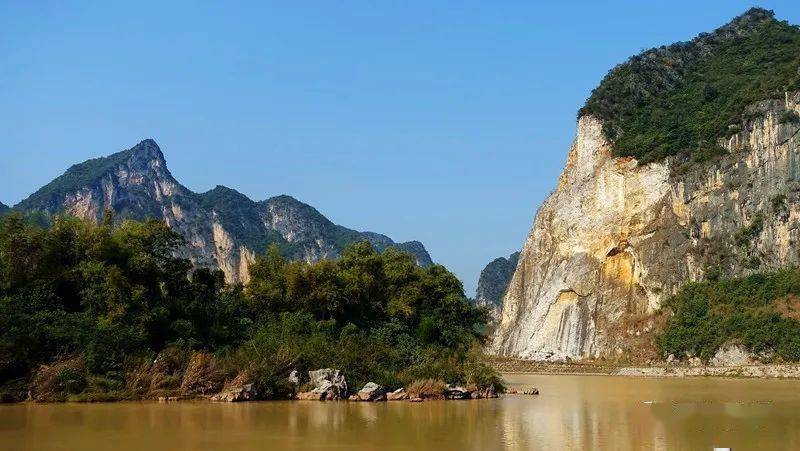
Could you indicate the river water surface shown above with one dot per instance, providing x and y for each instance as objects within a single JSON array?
[{"x": 572, "y": 412}]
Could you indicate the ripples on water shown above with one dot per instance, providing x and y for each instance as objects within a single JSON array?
[{"x": 573, "y": 412}]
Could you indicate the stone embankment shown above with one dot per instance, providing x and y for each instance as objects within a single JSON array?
[{"x": 508, "y": 366}]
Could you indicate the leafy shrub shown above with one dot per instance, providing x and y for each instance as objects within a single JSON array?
[
  {"x": 790, "y": 117},
  {"x": 758, "y": 311}
]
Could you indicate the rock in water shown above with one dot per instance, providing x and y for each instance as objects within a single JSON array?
[
  {"x": 236, "y": 394},
  {"x": 398, "y": 395},
  {"x": 371, "y": 392},
  {"x": 328, "y": 385},
  {"x": 456, "y": 392},
  {"x": 484, "y": 393}
]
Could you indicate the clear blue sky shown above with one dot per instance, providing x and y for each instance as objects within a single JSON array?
[{"x": 446, "y": 122}]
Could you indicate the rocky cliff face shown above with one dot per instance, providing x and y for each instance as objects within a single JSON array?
[
  {"x": 494, "y": 280},
  {"x": 222, "y": 227},
  {"x": 616, "y": 237}
]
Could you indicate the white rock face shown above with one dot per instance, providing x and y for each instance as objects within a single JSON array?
[
  {"x": 617, "y": 238},
  {"x": 732, "y": 355},
  {"x": 582, "y": 234}
]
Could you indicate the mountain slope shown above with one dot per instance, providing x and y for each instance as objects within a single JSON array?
[
  {"x": 619, "y": 236},
  {"x": 494, "y": 280},
  {"x": 678, "y": 99},
  {"x": 3, "y": 208},
  {"x": 222, "y": 227}
]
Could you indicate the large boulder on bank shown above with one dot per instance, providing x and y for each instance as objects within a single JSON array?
[
  {"x": 371, "y": 392},
  {"x": 327, "y": 385}
]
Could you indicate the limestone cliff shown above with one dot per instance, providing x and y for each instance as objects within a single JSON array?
[
  {"x": 494, "y": 280},
  {"x": 222, "y": 227},
  {"x": 616, "y": 237}
]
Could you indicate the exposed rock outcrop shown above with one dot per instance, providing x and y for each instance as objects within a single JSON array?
[
  {"x": 732, "y": 354},
  {"x": 222, "y": 227},
  {"x": 616, "y": 237}
]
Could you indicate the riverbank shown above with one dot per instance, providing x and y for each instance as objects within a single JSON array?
[{"x": 520, "y": 366}]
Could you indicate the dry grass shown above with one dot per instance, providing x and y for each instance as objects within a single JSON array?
[
  {"x": 166, "y": 373},
  {"x": 789, "y": 307},
  {"x": 57, "y": 381},
  {"x": 427, "y": 389},
  {"x": 137, "y": 376},
  {"x": 203, "y": 375}
]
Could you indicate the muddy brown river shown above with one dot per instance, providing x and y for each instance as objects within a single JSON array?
[{"x": 572, "y": 412}]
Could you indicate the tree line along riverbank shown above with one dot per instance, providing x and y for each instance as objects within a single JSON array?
[{"x": 108, "y": 312}]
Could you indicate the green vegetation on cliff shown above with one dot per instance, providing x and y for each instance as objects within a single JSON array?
[
  {"x": 106, "y": 312},
  {"x": 761, "y": 311},
  {"x": 679, "y": 99}
]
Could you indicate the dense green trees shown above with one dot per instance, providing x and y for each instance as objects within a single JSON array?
[
  {"x": 679, "y": 99},
  {"x": 111, "y": 297},
  {"x": 761, "y": 311}
]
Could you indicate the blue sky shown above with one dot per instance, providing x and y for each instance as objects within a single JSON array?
[{"x": 446, "y": 122}]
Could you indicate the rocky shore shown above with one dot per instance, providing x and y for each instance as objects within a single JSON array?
[
  {"x": 330, "y": 385},
  {"x": 672, "y": 369}
]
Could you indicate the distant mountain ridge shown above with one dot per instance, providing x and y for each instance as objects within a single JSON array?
[
  {"x": 3, "y": 208},
  {"x": 493, "y": 281},
  {"x": 222, "y": 227}
]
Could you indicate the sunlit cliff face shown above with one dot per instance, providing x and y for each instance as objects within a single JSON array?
[{"x": 616, "y": 238}]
